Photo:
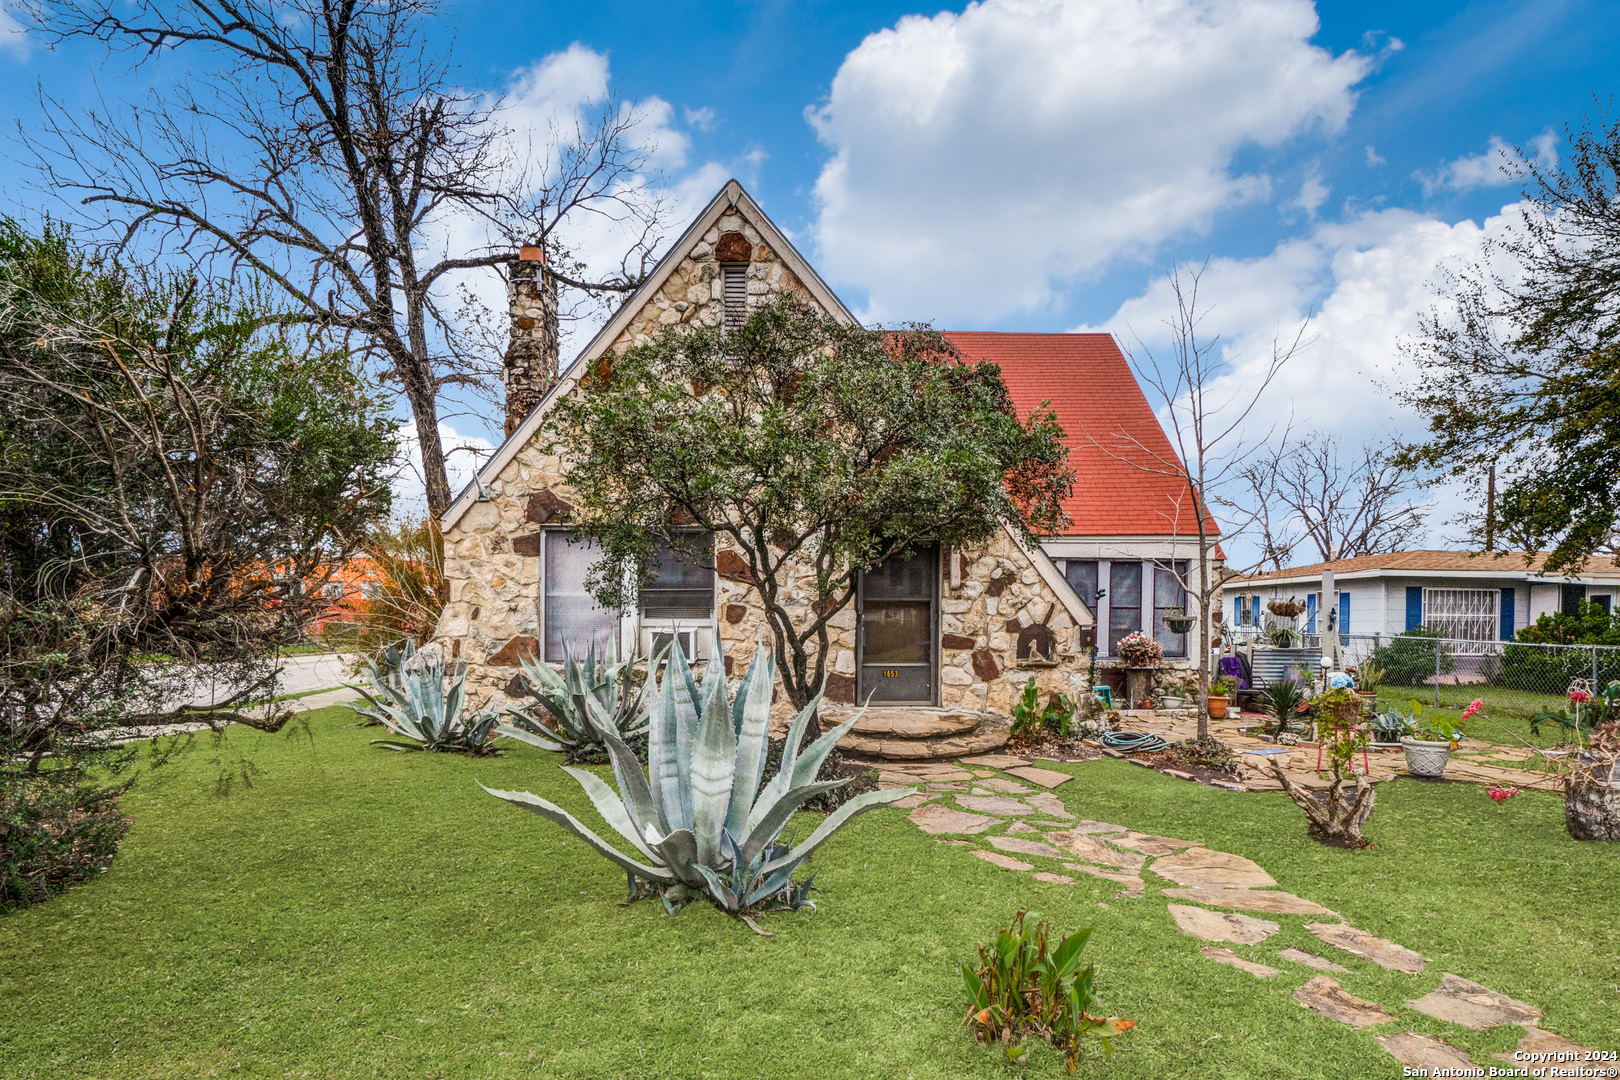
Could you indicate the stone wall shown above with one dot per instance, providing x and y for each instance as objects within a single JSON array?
[{"x": 1000, "y": 622}]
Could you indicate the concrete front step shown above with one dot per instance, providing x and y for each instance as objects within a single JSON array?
[
  {"x": 914, "y": 723},
  {"x": 985, "y": 739}
]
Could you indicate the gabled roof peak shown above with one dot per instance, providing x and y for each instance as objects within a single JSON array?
[{"x": 732, "y": 198}]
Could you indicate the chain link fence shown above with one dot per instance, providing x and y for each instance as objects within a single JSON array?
[{"x": 1452, "y": 671}]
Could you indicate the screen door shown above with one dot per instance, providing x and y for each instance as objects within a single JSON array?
[{"x": 898, "y": 628}]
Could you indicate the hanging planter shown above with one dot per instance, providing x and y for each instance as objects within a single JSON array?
[
  {"x": 1179, "y": 624},
  {"x": 1286, "y": 609}
]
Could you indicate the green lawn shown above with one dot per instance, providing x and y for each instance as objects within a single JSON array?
[
  {"x": 1506, "y": 712},
  {"x": 363, "y": 913}
]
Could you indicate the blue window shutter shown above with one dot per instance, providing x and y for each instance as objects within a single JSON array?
[
  {"x": 1310, "y": 613},
  {"x": 1237, "y": 611},
  {"x": 1414, "y": 606},
  {"x": 1344, "y": 613},
  {"x": 1254, "y": 606},
  {"x": 1507, "y": 614}
]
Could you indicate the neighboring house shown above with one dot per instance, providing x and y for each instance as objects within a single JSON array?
[
  {"x": 957, "y": 629},
  {"x": 1467, "y": 597}
]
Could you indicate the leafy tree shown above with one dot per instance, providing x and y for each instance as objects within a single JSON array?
[
  {"x": 1590, "y": 625},
  {"x": 171, "y": 474},
  {"x": 1519, "y": 371},
  {"x": 812, "y": 447}
]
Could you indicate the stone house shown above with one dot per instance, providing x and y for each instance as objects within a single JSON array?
[{"x": 947, "y": 632}]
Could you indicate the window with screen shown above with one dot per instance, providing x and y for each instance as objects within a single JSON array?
[
  {"x": 1169, "y": 594},
  {"x": 1082, "y": 575},
  {"x": 1124, "y": 602},
  {"x": 1462, "y": 614},
  {"x": 683, "y": 580},
  {"x": 734, "y": 295},
  {"x": 572, "y": 615}
]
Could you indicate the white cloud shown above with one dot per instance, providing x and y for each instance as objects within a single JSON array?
[
  {"x": 463, "y": 455},
  {"x": 1044, "y": 138},
  {"x": 1374, "y": 158},
  {"x": 1368, "y": 282},
  {"x": 1312, "y": 193},
  {"x": 703, "y": 119},
  {"x": 1496, "y": 167},
  {"x": 13, "y": 35},
  {"x": 546, "y": 101}
]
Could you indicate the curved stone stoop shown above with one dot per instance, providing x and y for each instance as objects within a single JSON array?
[{"x": 920, "y": 734}]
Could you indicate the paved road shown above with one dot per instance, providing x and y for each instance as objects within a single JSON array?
[{"x": 320, "y": 671}]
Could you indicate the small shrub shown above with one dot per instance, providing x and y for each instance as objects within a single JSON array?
[
  {"x": 1409, "y": 658},
  {"x": 54, "y": 835},
  {"x": 1031, "y": 719},
  {"x": 1019, "y": 989}
]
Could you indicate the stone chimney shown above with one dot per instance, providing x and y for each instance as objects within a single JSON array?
[{"x": 531, "y": 356}]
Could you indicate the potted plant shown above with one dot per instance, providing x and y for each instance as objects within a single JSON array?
[
  {"x": 1591, "y": 787},
  {"x": 1220, "y": 692},
  {"x": 1178, "y": 621},
  {"x": 1429, "y": 740},
  {"x": 1282, "y": 637},
  {"x": 1368, "y": 676}
]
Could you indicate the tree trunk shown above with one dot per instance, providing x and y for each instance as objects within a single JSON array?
[
  {"x": 1592, "y": 811},
  {"x": 1333, "y": 819}
]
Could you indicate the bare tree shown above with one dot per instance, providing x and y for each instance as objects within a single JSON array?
[
  {"x": 1253, "y": 506},
  {"x": 1206, "y": 418},
  {"x": 325, "y": 148},
  {"x": 1360, "y": 504}
]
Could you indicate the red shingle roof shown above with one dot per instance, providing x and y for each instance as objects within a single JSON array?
[{"x": 1116, "y": 446}]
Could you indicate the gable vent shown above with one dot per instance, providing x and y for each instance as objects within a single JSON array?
[{"x": 734, "y": 295}]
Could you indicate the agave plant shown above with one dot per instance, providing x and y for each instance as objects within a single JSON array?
[
  {"x": 586, "y": 702},
  {"x": 1284, "y": 700},
  {"x": 700, "y": 821},
  {"x": 416, "y": 705}
]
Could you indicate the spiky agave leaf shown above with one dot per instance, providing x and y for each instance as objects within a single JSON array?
[
  {"x": 706, "y": 759},
  {"x": 552, "y": 812}
]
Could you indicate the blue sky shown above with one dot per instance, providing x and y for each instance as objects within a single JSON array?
[{"x": 1037, "y": 165}]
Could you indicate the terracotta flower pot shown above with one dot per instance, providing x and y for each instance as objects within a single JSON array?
[{"x": 1217, "y": 706}]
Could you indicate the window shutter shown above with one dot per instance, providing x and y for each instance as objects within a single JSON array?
[
  {"x": 1237, "y": 610},
  {"x": 734, "y": 295},
  {"x": 1344, "y": 613},
  {"x": 1507, "y": 614},
  {"x": 1310, "y": 613},
  {"x": 1414, "y": 606}
]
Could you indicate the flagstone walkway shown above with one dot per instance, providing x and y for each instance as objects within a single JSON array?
[
  {"x": 1507, "y": 766},
  {"x": 1028, "y": 830}
]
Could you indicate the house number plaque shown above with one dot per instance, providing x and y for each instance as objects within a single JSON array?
[{"x": 891, "y": 673}]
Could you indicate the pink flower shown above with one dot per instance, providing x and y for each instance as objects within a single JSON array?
[
  {"x": 1472, "y": 709},
  {"x": 1499, "y": 794},
  {"x": 1579, "y": 696}
]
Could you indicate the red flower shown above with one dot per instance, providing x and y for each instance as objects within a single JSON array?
[
  {"x": 1579, "y": 696},
  {"x": 1499, "y": 794}
]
